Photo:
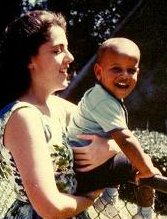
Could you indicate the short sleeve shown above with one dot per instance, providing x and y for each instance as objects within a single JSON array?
[{"x": 110, "y": 115}]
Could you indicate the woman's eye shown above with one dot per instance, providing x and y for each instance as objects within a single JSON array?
[{"x": 57, "y": 51}]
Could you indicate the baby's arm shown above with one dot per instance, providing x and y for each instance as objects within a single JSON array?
[{"x": 132, "y": 149}]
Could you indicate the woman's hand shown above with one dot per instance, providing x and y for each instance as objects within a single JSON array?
[
  {"x": 93, "y": 195},
  {"x": 96, "y": 153}
]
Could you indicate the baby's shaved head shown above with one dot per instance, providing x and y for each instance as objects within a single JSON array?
[{"x": 119, "y": 45}]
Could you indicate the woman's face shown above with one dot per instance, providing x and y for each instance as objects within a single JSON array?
[{"x": 51, "y": 63}]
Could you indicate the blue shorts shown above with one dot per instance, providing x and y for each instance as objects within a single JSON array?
[{"x": 115, "y": 171}]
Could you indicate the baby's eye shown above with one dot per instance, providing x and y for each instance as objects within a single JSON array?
[
  {"x": 116, "y": 70},
  {"x": 131, "y": 71}
]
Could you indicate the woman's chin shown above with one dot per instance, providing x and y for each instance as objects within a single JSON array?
[{"x": 63, "y": 86}]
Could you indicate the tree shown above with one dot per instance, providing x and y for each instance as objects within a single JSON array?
[
  {"x": 106, "y": 20},
  {"x": 91, "y": 22}
]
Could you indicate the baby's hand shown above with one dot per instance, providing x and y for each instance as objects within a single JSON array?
[{"x": 147, "y": 174}]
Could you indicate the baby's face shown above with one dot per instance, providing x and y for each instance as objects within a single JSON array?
[{"x": 118, "y": 73}]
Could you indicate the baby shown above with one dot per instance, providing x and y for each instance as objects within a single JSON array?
[{"x": 101, "y": 111}]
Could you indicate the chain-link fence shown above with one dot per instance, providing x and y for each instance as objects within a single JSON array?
[
  {"x": 124, "y": 208},
  {"x": 126, "y": 205}
]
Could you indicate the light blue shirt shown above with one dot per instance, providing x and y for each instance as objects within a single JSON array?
[{"x": 98, "y": 113}]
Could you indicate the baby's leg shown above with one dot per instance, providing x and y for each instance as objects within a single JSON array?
[
  {"x": 110, "y": 195},
  {"x": 109, "y": 175},
  {"x": 115, "y": 171},
  {"x": 145, "y": 197},
  {"x": 107, "y": 202}
]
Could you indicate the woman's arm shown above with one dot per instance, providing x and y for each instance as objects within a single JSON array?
[
  {"x": 24, "y": 137},
  {"x": 95, "y": 154}
]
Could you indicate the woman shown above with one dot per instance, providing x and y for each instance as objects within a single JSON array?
[{"x": 34, "y": 153}]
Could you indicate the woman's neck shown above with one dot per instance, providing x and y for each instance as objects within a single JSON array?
[{"x": 40, "y": 101}]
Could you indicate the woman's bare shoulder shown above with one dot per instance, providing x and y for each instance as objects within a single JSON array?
[{"x": 59, "y": 101}]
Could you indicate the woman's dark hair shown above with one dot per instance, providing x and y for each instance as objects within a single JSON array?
[{"x": 20, "y": 41}]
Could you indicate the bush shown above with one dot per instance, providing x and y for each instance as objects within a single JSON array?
[{"x": 154, "y": 144}]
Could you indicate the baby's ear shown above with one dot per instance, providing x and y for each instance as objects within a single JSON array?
[{"x": 98, "y": 71}]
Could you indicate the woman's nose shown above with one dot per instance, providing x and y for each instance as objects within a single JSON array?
[{"x": 69, "y": 56}]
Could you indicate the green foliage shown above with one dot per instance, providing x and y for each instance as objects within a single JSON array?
[
  {"x": 90, "y": 23},
  {"x": 154, "y": 144}
]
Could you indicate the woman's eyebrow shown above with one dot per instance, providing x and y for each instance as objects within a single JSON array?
[{"x": 61, "y": 45}]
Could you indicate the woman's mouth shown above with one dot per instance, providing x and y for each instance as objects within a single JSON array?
[{"x": 63, "y": 71}]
